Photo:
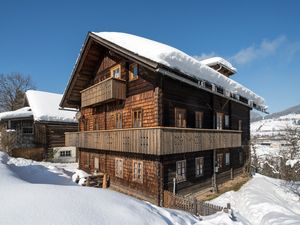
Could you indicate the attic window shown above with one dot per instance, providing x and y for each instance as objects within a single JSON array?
[
  {"x": 116, "y": 71},
  {"x": 133, "y": 72}
]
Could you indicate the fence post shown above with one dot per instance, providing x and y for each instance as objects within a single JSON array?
[
  {"x": 231, "y": 174},
  {"x": 195, "y": 206}
]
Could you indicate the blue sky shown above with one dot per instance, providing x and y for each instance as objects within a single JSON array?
[{"x": 260, "y": 38}]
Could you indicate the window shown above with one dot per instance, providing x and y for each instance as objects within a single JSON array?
[
  {"x": 119, "y": 167},
  {"x": 27, "y": 127},
  {"x": 227, "y": 159},
  {"x": 241, "y": 157},
  {"x": 220, "y": 160},
  {"x": 133, "y": 72},
  {"x": 199, "y": 166},
  {"x": 12, "y": 125},
  {"x": 96, "y": 164},
  {"x": 118, "y": 120},
  {"x": 240, "y": 124},
  {"x": 137, "y": 118},
  {"x": 96, "y": 123},
  {"x": 181, "y": 170},
  {"x": 198, "y": 119},
  {"x": 116, "y": 71},
  {"x": 180, "y": 117},
  {"x": 65, "y": 153},
  {"x": 138, "y": 171},
  {"x": 219, "y": 121},
  {"x": 227, "y": 121}
]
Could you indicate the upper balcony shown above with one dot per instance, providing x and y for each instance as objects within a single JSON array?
[
  {"x": 155, "y": 141},
  {"x": 108, "y": 90}
]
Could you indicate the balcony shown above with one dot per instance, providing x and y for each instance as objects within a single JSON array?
[
  {"x": 155, "y": 141},
  {"x": 108, "y": 90}
]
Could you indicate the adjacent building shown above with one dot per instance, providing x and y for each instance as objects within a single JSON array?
[
  {"x": 37, "y": 130},
  {"x": 156, "y": 119}
]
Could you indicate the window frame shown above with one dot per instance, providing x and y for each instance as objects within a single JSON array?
[
  {"x": 226, "y": 121},
  {"x": 199, "y": 119},
  {"x": 220, "y": 160},
  {"x": 182, "y": 176},
  {"x": 199, "y": 172},
  {"x": 112, "y": 69},
  {"x": 132, "y": 76},
  {"x": 28, "y": 126},
  {"x": 227, "y": 158},
  {"x": 219, "y": 122},
  {"x": 119, "y": 120},
  {"x": 119, "y": 167},
  {"x": 137, "y": 171},
  {"x": 182, "y": 120},
  {"x": 140, "y": 121}
]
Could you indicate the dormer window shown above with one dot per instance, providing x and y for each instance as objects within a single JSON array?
[
  {"x": 115, "y": 71},
  {"x": 133, "y": 72}
]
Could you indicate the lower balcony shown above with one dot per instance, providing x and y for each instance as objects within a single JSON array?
[{"x": 155, "y": 141}]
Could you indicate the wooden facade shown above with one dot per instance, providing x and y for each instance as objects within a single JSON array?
[
  {"x": 150, "y": 128},
  {"x": 36, "y": 139}
]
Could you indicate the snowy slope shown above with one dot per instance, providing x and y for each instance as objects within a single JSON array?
[
  {"x": 45, "y": 107},
  {"x": 174, "y": 58},
  {"x": 34, "y": 193},
  {"x": 269, "y": 127},
  {"x": 264, "y": 201}
]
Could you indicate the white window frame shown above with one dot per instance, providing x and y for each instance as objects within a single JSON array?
[
  {"x": 219, "y": 121},
  {"x": 199, "y": 166},
  {"x": 180, "y": 171},
  {"x": 220, "y": 160},
  {"x": 227, "y": 121},
  {"x": 119, "y": 167},
  {"x": 138, "y": 171},
  {"x": 227, "y": 158},
  {"x": 113, "y": 69}
]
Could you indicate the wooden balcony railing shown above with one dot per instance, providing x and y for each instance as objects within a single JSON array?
[
  {"x": 104, "y": 91},
  {"x": 155, "y": 141}
]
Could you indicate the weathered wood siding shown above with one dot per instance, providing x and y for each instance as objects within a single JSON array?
[
  {"x": 155, "y": 141},
  {"x": 148, "y": 189}
]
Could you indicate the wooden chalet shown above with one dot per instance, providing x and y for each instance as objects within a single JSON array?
[
  {"x": 150, "y": 125},
  {"x": 36, "y": 131}
]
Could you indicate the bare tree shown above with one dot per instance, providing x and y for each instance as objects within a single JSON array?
[{"x": 12, "y": 90}]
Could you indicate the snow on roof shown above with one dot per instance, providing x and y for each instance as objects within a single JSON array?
[
  {"x": 19, "y": 113},
  {"x": 45, "y": 107},
  {"x": 218, "y": 60},
  {"x": 176, "y": 59}
]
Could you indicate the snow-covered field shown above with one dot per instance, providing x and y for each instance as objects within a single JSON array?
[{"x": 43, "y": 193}]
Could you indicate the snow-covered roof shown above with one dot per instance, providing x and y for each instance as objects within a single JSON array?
[
  {"x": 176, "y": 59},
  {"x": 45, "y": 107},
  {"x": 218, "y": 60},
  {"x": 24, "y": 112}
]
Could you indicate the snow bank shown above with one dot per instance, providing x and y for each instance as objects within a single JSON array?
[
  {"x": 30, "y": 195},
  {"x": 177, "y": 59},
  {"x": 19, "y": 113},
  {"x": 264, "y": 201},
  {"x": 45, "y": 107},
  {"x": 218, "y": 60}
]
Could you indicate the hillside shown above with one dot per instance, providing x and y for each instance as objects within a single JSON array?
[{"x": 255, "y": 116}]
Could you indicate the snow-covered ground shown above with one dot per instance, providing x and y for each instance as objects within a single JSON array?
[
  {"x": 43, "y": 193},
  {"x": 264, "y": 201}
]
